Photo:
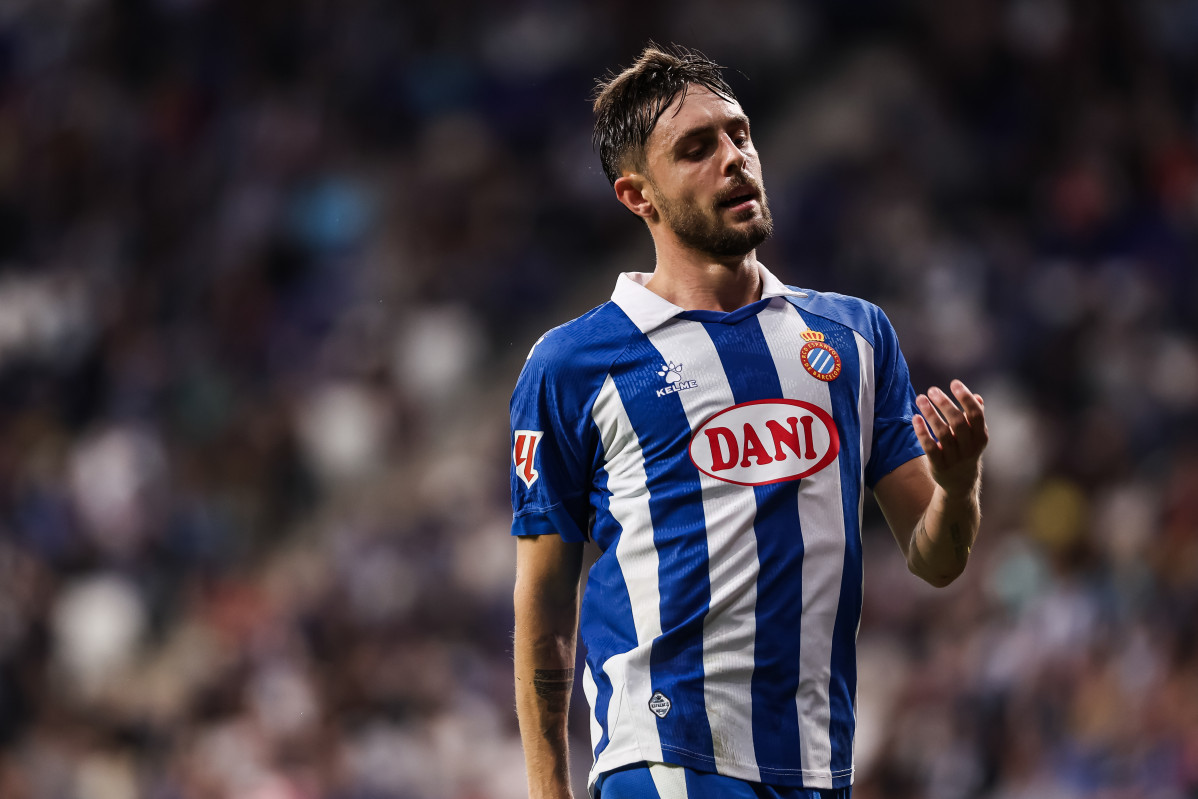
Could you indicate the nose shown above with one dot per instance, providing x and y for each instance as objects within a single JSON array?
[{"x": 734, "y": 158}]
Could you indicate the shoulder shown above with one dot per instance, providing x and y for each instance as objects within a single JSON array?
[
  {"x": 860, "y": 315},
  {"x": 581, "y": 350}
]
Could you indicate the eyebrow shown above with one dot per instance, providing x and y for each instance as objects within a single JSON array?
[{"x": 700, "y": 129}]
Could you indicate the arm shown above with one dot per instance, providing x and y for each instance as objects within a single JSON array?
[
  {"x": 546, "y": 604},
  {"x": 933, "y": 503}
]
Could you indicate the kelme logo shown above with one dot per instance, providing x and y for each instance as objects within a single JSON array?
[{"x": 765, "y": 441}]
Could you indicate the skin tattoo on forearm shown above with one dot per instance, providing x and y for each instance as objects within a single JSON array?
[
  {"x": 554, "y": 685},
  {"x": 962, "y": 549},
  {"x": 960, "y": 546}
]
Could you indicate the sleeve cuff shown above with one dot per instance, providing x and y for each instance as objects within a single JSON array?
[{"x": 551, "y": 521}]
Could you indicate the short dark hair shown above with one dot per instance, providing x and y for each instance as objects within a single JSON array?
[{"x": 628, "y": 105}]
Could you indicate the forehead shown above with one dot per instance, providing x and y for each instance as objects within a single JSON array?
[{"x": 696, "y": 109}]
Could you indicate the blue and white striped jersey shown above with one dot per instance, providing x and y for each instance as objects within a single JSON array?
[{"x": 718, "y": 460}]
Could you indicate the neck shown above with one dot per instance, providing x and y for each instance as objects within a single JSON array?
[{"x": 702, "y": 282}]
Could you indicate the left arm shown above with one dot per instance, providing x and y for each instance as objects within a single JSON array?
[{"x": 933, "y": 503}]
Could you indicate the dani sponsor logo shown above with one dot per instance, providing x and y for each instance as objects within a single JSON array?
[{"x": 765, "y": 441}]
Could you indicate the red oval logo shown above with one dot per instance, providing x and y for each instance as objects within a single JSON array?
[{"x": 765, "y": 441}]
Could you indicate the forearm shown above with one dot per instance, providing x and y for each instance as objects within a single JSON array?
[
  {"x": 544, "y": 660},
  {"x": 943, "y": 538}
]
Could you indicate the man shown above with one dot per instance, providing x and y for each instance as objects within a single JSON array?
[{"x": 712, "y": 430}]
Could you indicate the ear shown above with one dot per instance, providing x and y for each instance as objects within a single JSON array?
[{"x": 631, "y": 190}]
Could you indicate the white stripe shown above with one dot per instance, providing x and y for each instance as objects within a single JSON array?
[
  {"x": 865, "y": 410},
  {"x": 865, "y": 400},
  {"x": 821, "y": 511},
  {"x": 669, "y": 780},
  {"x": 637, "y": 556},
  {"x": 730, "y": 626},
  {"x": 591, "y": 691}
]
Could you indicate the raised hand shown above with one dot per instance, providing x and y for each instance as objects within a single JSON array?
[{"x": 952, "y": 436}]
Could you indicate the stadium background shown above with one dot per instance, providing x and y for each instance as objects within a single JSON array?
[{"x": 268, "y": 271}]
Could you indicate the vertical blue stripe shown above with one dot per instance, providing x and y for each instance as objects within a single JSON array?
[
  {"x": 676, "y": 662},
  {"x": 843, "y": 689},
  {"x": 753, "y": 375},
  {"x": 607, "y": 623},
  {"x": 605, "y": 530}
]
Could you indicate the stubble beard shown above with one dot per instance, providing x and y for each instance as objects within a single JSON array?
[{"x": 706, "y": 231}]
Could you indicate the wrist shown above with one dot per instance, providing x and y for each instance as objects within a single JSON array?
[
  {"x": 556, "y": 786},
  {"x": 959, "y": 497},
  {"x": 961, "y": 489}
]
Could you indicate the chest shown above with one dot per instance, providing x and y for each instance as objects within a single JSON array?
[{"x": 765, "y": 400}]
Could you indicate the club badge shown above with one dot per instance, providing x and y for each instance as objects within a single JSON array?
[{"x": 819, "y": 359}]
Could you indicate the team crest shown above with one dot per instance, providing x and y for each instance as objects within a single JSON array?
[{"x": 818, "y": 358}]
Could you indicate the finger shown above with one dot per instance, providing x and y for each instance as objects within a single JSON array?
[
  {"x": 948, "y": 409},
  {"x": 967, "y": 421},
  {"x": 932, "y": 417},
  {"x": 960, "y": 441},
  {"x": 924, "y": 435},
  {"x": 977, "y": 424},
  {"x": 971, "y": 404},
  {"x": 950, "y": 420},
  {"x": 974, "y": 408},
  {"x": 937, "y": 427}
]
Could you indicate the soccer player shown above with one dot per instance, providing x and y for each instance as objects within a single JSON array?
[{"x": 712, "y": 431}]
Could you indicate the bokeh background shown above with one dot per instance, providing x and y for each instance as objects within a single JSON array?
[{"x": 269, "y": 269}]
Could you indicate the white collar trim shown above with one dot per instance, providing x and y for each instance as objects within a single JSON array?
[{"x": 648, "y": 310}]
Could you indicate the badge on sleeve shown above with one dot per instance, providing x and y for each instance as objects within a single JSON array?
[{"x": 524, "y": 454}]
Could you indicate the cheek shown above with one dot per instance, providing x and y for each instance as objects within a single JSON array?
[{"x": 677, "y": 195}]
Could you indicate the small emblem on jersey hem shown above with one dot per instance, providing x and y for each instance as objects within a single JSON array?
[
  {"x": 819, "y": 359},
  {"x": 672, "y": 372},
  {"x": 659, "y": 704}
]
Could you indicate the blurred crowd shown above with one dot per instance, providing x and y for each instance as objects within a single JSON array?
[{"x": 268, "y": 271}]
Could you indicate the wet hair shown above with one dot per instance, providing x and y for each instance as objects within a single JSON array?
[{"x": 628, "y": 105}]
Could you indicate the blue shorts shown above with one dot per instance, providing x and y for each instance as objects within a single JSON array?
[{"x": 665, "y": 781}]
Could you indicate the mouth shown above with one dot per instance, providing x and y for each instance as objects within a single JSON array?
[{"x": 740, "y": 197}]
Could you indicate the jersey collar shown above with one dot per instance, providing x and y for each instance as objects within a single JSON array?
[{"x": 649, "y": 311}]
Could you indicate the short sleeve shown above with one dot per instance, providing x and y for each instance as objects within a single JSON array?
[
  {"x": 552, "y": 445},
  {"x": 894, "y": 441}
]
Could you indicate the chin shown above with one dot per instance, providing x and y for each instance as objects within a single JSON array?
[{"x": 739, "y": 246}]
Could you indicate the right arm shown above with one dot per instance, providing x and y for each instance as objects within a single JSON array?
[{"x": 546, "y": 605}]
